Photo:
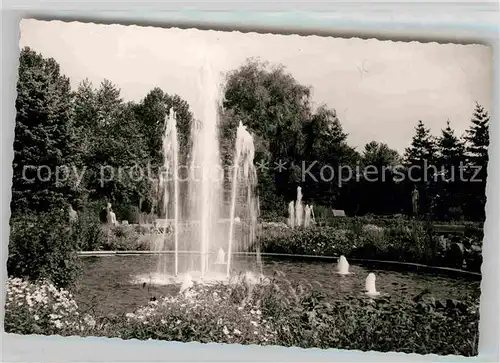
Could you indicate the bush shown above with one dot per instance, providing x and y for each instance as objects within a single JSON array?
[
  {"x": 43, "y": 246},
  {"x": 269, "y": 312},
  {"x": 89, "y": 231},
  {"x": 130, "y": 213},
  {"x": 326, "y": 241},
  {"x": 120, "y": 238},
  {"x": 405, "y": 242},
  {"x": 42, "y": 308}
]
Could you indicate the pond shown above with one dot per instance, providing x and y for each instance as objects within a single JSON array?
[{"x": 107, "y": 283}]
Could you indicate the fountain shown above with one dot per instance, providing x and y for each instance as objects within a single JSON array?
[
  {"x": 307, "y": 216},
  {"x": 299, "y": 209},
  {"x": 342, "y": 266},
  {"x": 170, "y": 185},
  {"x": 187, "y": 283},
  {"x": 206, "y": 234},
  {"x": 370, "y": 288},
  {"x": 243, "y": 161},
  {"x": 291, "y": 214}
]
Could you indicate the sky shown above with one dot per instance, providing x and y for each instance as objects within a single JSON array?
[{"x": 380, "y": 89}]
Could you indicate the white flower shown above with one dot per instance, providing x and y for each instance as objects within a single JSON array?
[
  {"x": 130, "y": 315},
  {"x": 255, "y": 332},
  {"x": 58, "y": 324},
  {"x": 225, "y": 330},
  {"x": 237, "y": 332},
  {"x": 36, "y": 317},
  {"x": 254, "y": 323},
  {"x": 89, "y": 320}
]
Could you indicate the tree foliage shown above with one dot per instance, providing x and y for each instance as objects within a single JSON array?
[
  {"x": 297, "y": 144},
  {"x": 44, "y": 141}
]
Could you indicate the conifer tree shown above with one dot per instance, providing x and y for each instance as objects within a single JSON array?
[
  {"x": 420, "y": 160},
  {"x": 450, "y": 159},
  {"x": 477, "y": 142},
  {"x": 44, "y": 142}
]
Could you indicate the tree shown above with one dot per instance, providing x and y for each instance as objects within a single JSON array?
[
  {"x": 44, "y": 140},
  {"x": 450, "y": 159},
  {"x": 380, "y": 155},
  {"x": 113, "y": 149},
  {"x": 325, "y": 153},
  {"x": 274, "y": 107},
  {"x": 378, "y": 192},
  {"x": 277, "y": 109},
  {"x": 477, "y": 143},
  {"x": 151, "y": 114},
  {"x": 420, "y": 160}
]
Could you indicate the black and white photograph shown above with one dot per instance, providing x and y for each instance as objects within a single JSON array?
[{"x": 248, "y": 188}]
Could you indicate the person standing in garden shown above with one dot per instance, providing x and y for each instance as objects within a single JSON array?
[{"x": 414, "y": 200}]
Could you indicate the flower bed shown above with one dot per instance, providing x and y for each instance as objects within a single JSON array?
[
  {"x": 404, "y": 243},
  {"x": 273, "y": 313}
]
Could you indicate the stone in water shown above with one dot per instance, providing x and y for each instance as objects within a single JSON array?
[
  {"x": 370, "y": 288},
  {"x": 343, "y": 266}
]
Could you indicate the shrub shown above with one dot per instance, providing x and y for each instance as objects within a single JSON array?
[
  {"x": 43, "y": 246},
  {"x": 89, "y": 231},
  {"x": 42, "y": 308},
  {"x": 130, "y": 213},
  {"x": 406, "y": 242},
  {"x": 311, "y": 241},
  {"x": 273, "y": 312},
  {"x": 120, "y": 238}
]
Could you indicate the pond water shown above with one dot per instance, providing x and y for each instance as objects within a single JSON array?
[{"x": 107, "y": 283}]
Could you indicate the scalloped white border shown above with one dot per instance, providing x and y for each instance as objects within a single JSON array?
[{"x": 37, "y": 348}]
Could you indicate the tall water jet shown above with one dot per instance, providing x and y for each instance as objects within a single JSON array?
[
  {"x": 343, "y": 266},
  {"x": 370, "y": 287},
  {"x": 206, "y": 234},
  {"x": 169, "y": 184},
  {"x": 244, "y": 179},
  {"x": 299, "y": 210},
  {"x": 307, "y": 216},
  {"x": 205, "y": 190},
  {"x": 291, "y": 214}
]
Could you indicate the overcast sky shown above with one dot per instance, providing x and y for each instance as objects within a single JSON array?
[{"x": 380, "y": 89}]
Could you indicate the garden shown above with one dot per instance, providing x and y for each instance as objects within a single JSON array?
[
  {"x": 283, "y": 310},
  {"x": 288, "y": 289}
]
